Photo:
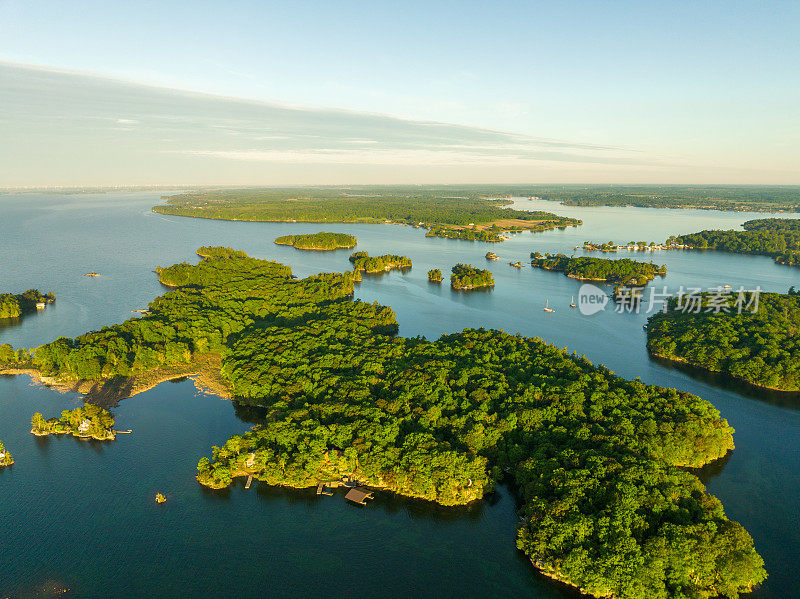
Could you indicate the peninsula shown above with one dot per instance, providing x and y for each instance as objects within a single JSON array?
[
  {"x": 474, "y": 214},
  {"x": 758, "y": 347},
  {"x": 778, "y": 238}
]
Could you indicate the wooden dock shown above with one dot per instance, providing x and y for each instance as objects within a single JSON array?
[{"x": 249, "y": 482}]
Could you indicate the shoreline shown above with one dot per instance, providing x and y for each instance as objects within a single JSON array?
[
  {"x": 109, "y": 392},
  {"x": 684, "y": 362}
]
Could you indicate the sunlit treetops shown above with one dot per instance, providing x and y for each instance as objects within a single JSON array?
[{"x": 318, "y": 241}]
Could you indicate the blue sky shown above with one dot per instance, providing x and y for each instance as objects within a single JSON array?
[{"x": 683, "y": 91}]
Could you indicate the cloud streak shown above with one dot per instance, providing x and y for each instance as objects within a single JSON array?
[{"x": 68, "y": 128}]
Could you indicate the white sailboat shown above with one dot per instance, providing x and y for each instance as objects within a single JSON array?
[
  {"x": 547, "y": 307},
  {"x": 572, "y": 302}
]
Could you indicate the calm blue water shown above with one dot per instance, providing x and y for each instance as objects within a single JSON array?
[{"x": 81, "y": 515}]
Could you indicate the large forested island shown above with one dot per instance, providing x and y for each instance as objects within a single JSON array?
[
  {"x": 775, "y": 237},
  {"x": 761, "y": 348},
  {"x": 322, "y": 241},
  {"x": 599, "y": 461},
  {"x": 743, "y": 198},
  {"x": 470, "y": 213},
  {"x": 465, "y": 277},
  {"x": 16, "y": 305},
  {"x": 88, "y": 421},
  {"x": 624, "y": 271},
  {"x": 362, "y": 261}
]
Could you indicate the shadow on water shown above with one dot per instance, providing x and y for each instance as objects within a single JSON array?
[
  {"x": 712, "y": 469},
  {"x": 782, "y": 399}
]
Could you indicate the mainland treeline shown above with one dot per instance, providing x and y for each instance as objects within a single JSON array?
[
  {"x": 598, "y": 460},
  {"x": 762, "y": 347},
  {"x": 88, "y": 421},
  {"x": 14, "y": 306},
  {"x": 417, "y": 205},
  {"x": 623, "y": 272},
  {"x": 746, "y": 198},
  {"x": 322, "y": 241},
  {"x": 466, "y": 276},
  {"x": 362, "y": 261},
  {"x": 775, "y": 237}
]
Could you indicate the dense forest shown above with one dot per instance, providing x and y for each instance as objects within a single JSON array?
[
  {"x": 599, "y": 461},
  {"x": 88, "y": 421},
  {"x": 417, "y": 205},
  {"x": 624, "y": 271},
  {"x": 362, "y": 261},
  {"x": 14, "y": 306},
  {"x": 743, "y": 198},
  {"x": 435, "y": 275},
  {"x": 318, "y": 241},
  {"x": 775, "y": 237},
  {"x": 465, "y": 277},
  {"x": 6, "y": 459},
  {"x": 220, "y": 252},
  {"x": 762, "y": 348}
]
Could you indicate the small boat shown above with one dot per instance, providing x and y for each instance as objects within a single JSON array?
[
  {"x": 726, "y": 287},
  {"x": 572, "y": 302},
  {"x": 644, "y": 327},
  {"x": 547, "y": 307},
  {"x": 91, "y": 274}
]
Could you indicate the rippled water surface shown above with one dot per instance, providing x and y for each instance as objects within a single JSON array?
[{"x": 80, "y": 515}]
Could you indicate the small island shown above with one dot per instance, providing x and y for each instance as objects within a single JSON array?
[
  {"x": 88, "y": 422},
  {"x": 321, "y": 242},
  {"x": 15, "y": 306},
  {"x": 517, "y": 264},
  {"x": 435, "y": 275},
  {"x": 362, "y": 261},
  {"x": 625, "y": 271},
  {"x": 220, "y": 252},
  {"x": 466, "y": 277},
  {"x": 6, "y": 459},
  {"x": 491, "y": 256},
  {"x": 759, "y": 348}
]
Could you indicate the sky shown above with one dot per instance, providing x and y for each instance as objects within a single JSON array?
[{"x": 103, "y": 93}]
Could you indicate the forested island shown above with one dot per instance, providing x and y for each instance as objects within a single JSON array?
[
  {"x": 598, "y": 461},
  {"x": 362, "y": 261},
  {"x": 470, "y": 213},
  {"x": 87, "y": 421},
  {"x": 435, "y": 275},
  {"x": 491, "y": 256},
  {"x": 778, "y": 238},
  {"x": 6, "y": 459},
  {"x": 220, "y": 252},
  {"x": 321, "y": 241},
  {"x": 465, "y": 277},
  {"x": 15, "y": 306},
  {"x": 623, "y": 272},
  {"x": 761, "y": 348},
  {"x": 742, "y": 198}
]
